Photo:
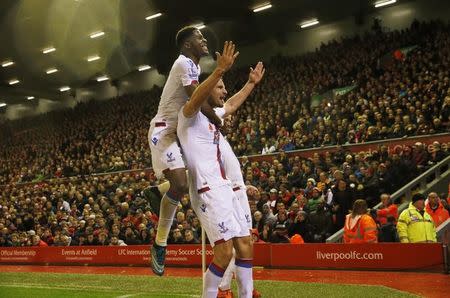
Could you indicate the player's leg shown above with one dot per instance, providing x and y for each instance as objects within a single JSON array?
[
  {"x": 168, "y": 208},
  {"x": 244, "y": 265},
  {"x": 154, "y": 194},
  {"x": 223, "y": 252},
  {"x": 225, "y": 284},
  {"x": 167, "y": 160},
  {"x": 244, "y": 248}
]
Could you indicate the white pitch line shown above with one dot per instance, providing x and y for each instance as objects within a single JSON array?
[
  {"x": 37, "y": 286},
  {"x": 129, "y": 295}
]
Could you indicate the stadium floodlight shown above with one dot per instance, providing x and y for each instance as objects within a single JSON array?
[
  {"x": 102, "y": 78},
  {"x": 384, "y": 3},
  {"x": 262, "y": 7},
  {"x": 13, "y": 82},
  {"x": 97, "y": 34},
  {"x": 309, "y": 23},
  {"x": 30, "y": 97},
  {"x": 199, "y": 26},
  {"x": 7, "y": 63},
  {"x": 153, "y": 16},
  {"x": 144, "y": 67},
  {"x": 65, "y": 88},
  {"x": 2, "y": 104},
  {"x": 93, "y": 58},
  {"x": 51, "y": 70},
  {"x": 48, "y": 50}
]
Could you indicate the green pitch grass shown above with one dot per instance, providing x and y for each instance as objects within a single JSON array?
[{"x": 124, "y": 286}]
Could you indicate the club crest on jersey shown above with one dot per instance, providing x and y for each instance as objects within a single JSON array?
[
  {"x": 222, "y": 228},
  {"x": 154, "y": 140},
  {"x": 170, "y": 157},
  {"x": 247, "y": 218},
  {"x": 203, "y": 207}
]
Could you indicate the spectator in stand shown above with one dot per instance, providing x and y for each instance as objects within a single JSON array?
[
  {"x": 414, "y": 224},
  {"x": 388, "y": 231},
  {"x": 300, "y": 225},
  {"x": 321, "y": 222},
  {"x": 341, "y": 203},
  {"x": 255, "y": 236},
  {"x": 359, "y": 226},
  {"x": 36, "y": 241},
  {"x": 387, "y": 209},
  {"x": 435, "y": 208},
  {"x": 189, "y": 237},
  {"x": 313, "y": 202}
]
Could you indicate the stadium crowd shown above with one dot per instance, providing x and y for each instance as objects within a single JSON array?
[
  {"x": 305, "y": 196},
  {"x": 403, "y": 96}
]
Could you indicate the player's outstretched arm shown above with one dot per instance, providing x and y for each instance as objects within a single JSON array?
[
  {"x": 202, "y": 92},
  {"x": 238, "y": 99}
]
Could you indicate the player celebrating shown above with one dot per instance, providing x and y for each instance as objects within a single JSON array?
[
  {"x": 211, "y": 192},
  {"x": 233, "y": 167},
  {"x": 166, "y": 155}
]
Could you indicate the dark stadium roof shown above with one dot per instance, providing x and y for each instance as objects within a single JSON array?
[{"x": 28, "y": 27}]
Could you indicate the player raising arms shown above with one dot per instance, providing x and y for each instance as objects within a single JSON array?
[
  {"x": 166, "y": 154},
  {"x": 232, "y": 166},
  {"x": 211, "y": 192}
]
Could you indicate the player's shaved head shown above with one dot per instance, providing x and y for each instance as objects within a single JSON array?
[{"x": 183, "y": 34}]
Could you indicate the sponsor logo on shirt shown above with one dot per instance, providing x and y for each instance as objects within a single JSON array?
[{"x": 155, "y": 140}]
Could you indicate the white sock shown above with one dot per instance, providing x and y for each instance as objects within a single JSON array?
[
  {"x": 167, "y": 212},
  {"x": 225, "y": 284},
  {"x": 244, "y": 277},
  {"x": 213, "y": 276}
]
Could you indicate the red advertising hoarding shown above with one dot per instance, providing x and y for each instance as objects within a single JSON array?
[{"x": 348, "y": 256}]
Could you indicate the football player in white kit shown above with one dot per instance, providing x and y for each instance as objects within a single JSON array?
[
  {"x": 234, "y": 173},
  {"x": 211, "y": 192},
  {"x": 166, "y": 154}
]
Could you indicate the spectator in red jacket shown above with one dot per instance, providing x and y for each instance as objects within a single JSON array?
[
  {"x": 435, "y": 208},
  {"x": 387, "y": 209}
]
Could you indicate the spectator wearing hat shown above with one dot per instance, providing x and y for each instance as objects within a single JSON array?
[
  {"x": 435, "y": 208},
  {"x": 414, "y": 224},
  {"x": 359, "y": 226}
]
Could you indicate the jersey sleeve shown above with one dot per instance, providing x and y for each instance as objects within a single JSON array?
[
  {"x": 187, "y": 72},
  {"x": 220, "y": 112}
]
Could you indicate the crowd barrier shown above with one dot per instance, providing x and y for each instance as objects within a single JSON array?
[{"x": 379, "y": 256}]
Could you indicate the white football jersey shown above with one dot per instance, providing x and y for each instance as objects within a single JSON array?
[
  {"x": 230, "y": 161},
  {"x": 184, "y": 72},
  {"x": 200, "y": 141}
]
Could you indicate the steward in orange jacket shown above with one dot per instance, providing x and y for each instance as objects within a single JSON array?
[
  {"x": 359, "y": 226},
  {"x": 436, "y": 210}
]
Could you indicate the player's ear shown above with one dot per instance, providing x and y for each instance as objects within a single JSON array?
[{"x": 187, "y": 44}]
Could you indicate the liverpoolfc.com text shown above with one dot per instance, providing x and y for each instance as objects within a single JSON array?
[{"x": 353, "y": 255}]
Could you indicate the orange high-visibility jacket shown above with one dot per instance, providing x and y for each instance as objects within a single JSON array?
[
  {"x": 362, "y": 229},
  {"x": 439, "y": 215}
]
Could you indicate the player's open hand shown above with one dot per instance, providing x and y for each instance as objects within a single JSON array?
[
  {"x": 256, "y": 74},
  {"x": 226, "y": 59}
]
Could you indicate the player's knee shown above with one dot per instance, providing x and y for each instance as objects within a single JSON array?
[
  {"x": 181, "y": 188},
  {"x": 244, "y": 248},
  {"x": 224, "y": 258}
]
